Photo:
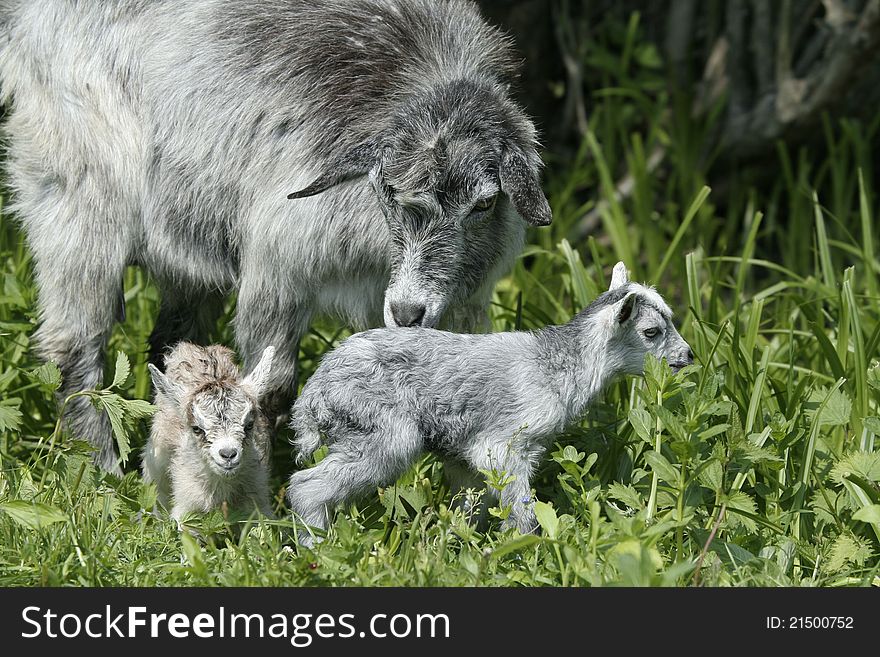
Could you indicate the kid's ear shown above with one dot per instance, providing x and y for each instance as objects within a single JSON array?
[
  {"x": 619, "y": 276},
  {"x": 258, "y": 379},
  {"x": 165, "y": 386},
  {"x": 624, "y": 308}
]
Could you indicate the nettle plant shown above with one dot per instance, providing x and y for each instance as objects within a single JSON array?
[{"x": 124, "y": 414}]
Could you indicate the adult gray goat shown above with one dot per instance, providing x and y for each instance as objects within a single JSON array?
[{"x": 170, "y": 134}]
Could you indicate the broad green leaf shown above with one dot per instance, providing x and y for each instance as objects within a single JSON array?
[
  {"x": 137, "y": 408},
  {"x": 112, "y": 405},
  {"x": 848, "y": 549},
  {"x": 590, "y": 462},
  {"x": 192, "y": 552},
  {"x": 712, "y": 475},
  {"x": 514, "y": 544},
  {"x": 837, "y": 410},
  {"x": 569, "y": 453},
  {"x": 713, "y": 431},
  {"x": 33, "y": 515},
  {"x": 626, "y": 494},
  {"x": 863, "y": 464},
  {"x": 671, "y": 423},
  {"x": 414, "y": 496},
  {"x": 740, "y": 501},
  {"x": 467, "y": 561},
  {"x": 863, "y": 493},
  {"x": 640, "y": 420},
  {"x": 874, "y": 376},
  {"x": 869, "y": 514},
  {"x": 748, "y": 451},
  {"x": 547, "y": 519},
  {"x": 7, "y": 377},
  {"x": 661, "y": 466},
  {"x": 10, "y": 416},
  {"x": 47, "y": 374},
  {"x": 123, "y": 369},
  {"x": 828, "y": 504},
  {"x": 656, "y": 373}
]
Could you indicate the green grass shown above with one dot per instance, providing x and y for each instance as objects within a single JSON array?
[{"x": 766, "y": 445}]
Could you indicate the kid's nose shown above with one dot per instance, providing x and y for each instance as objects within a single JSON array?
[{"x": 229, "y": 453}]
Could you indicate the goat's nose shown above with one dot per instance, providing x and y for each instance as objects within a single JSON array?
[
  {"x": 228, "y": 453},
  {"x": 407, "y": 313}
]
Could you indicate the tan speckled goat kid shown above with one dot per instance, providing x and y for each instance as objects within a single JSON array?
[{"x": 210, "y": 441}]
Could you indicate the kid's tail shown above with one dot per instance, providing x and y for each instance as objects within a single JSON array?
[{"x": 308, "y": 437}]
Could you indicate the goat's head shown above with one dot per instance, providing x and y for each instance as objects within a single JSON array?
[
  {"x": 219, "y": 414},
  {"x": 637, "y": 321},
  {"x": 455, "y": 172}
]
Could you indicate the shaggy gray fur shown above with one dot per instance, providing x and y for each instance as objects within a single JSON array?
[
  {"x": 170, "y": 134},
  {"x": 480, "y": 402},
  {"x": 210, "y": 440}
]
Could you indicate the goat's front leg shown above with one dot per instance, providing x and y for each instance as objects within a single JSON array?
[
  {"x": 518, "y": 496},
  {"x": 265, "y": 316},
  {"x": 513, "y": 462}
]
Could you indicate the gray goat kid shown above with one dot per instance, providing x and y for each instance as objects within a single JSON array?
[
  {"x": 170, "y": 134},
  {"x": 483, "y": 402},
  {"x": 210, "y": 441}
]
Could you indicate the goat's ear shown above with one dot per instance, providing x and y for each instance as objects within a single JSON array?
[
  {"x": 619, "y": 276},
  {"x": 519, "y": 180},
  {"x": 353, "y": 163},
  {"x": 165, "y": 386},
  {"x": 258, "y": 379},
  {"x": 625, "y": 308}
]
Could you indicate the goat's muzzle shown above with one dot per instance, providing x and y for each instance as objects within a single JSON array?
[{"x": 408, "y": 313}]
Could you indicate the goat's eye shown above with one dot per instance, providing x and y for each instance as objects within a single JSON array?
[
  {"x": 485, "y": 204},
  {"x": 197, "y": 430},
  {"x": 651, "y": 332}
]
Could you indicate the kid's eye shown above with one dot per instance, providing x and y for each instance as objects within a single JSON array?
[
  {"x": 651, "y": 332},
  {"x": 485, "y": 204}
]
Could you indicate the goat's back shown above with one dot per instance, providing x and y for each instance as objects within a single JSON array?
[
  {"x": 274, "y": 68},
  {"x": 413, "y": 367}
]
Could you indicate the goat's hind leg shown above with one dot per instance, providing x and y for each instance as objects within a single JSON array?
[
  {"x": 263, "y": 318},
  {"x": 79, "y": 271},
  {"x": 355, "y": 465}
]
